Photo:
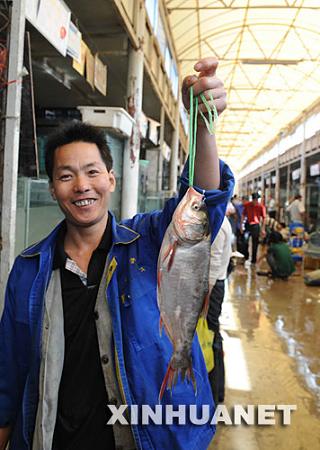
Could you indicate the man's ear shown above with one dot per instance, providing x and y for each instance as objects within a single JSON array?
[
  {"x": 112, "y": 179},
  {"x": 51, "y": 190}
]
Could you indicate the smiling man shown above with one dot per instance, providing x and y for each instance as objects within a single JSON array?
[{"x": 80, "y": 324}]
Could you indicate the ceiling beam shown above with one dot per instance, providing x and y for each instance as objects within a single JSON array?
[{"x": 231, "y": 8}]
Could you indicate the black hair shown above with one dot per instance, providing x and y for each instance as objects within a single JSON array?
[
  {"x": 275, "y": 237},
  {"x": 76, "y": 132}
]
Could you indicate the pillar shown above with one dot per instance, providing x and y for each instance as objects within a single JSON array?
[
  {"x": 130, "y": 189},
  {"x": 12, "y": 141},
  {"x": 175, "y": 149},
  {"x": 277, "y": 190},
  {"x": 303, "y": 171},
  {"x": 160, "y": 155}
]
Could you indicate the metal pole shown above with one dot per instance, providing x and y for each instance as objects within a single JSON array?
[
  {"x": 175, "y": 150},
  {"x": 303, "y": 166},
  {"x": 129, "y": 199},
  {"x": 161, "y": 142},
  {"x": 277, "y": 190},
  {"x": 12, "y": 140},
  {"x": 288, "y": 182}
]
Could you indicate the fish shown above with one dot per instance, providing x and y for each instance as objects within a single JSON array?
[{"x": 183, "y": 283}]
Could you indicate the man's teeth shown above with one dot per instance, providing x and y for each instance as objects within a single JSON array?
[{"x": 84, "y": 202}]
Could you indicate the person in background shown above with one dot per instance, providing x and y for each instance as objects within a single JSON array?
[
  {"x": 255, "y": 214},
  {"x": 296, "y": 209},
  {"x": 279, "y": 258},
  {"x": 238, "y": 204},
  {"x": 219, "y": 262},
  {"x": 271, "y": 207},
  {"x": 284, "y": 231}
]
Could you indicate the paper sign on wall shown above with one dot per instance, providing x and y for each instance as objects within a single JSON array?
[
  {"x": 80, "y": 66},
  {"x": 90, "y": 68},
  {"x": 74, "y": 43},
  {"x": 52, "y": 19},
  {"x": 100, "y": 75}
]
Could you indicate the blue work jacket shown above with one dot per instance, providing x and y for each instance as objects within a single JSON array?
[{"x": 141, "y": 354}]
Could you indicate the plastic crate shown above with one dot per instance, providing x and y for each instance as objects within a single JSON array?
[{"x": 116, "y": 119}]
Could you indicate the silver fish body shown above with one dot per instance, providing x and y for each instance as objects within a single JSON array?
[{"x": 183, "y": 282}]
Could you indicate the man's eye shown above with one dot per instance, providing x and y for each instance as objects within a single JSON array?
[
  {"x": 65, "y": 177},
  {"x": 93, "y": 172}
]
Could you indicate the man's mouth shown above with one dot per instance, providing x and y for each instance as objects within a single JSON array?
[{"x": 86, "y": 202}]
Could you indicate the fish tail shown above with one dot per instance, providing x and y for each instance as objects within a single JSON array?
[
  {"x": 169, "y": 380},
  {"x": 190, "y": 377}
]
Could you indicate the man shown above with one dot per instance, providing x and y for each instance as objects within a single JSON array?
[
  {"x": 220, "y": 258},
  {"x": 272, "y": 210},
  {"x": 296, "y": 209},
  {"x": 79, "y": 329},
  {"x": 279, "y": 258},
  {"x": 255, "y": 214}
]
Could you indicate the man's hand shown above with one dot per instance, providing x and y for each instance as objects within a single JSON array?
[
  {"x": 4, "y": 437},
  {"x": 206, "y": 167},
  {"x": 207, "y": 83}
]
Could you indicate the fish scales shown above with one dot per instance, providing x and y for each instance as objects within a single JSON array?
[{"x": 183, "y": 282}]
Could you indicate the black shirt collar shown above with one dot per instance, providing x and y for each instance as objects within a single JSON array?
[{"x": 60, "y": 256}]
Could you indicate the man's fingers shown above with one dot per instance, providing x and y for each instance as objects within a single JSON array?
[
  {"x": 220, "y": 105},
  {"x": 206, "y": 66},
  {"x": 187, "y": 82},
  {"x": 205, "y": 84},
  {"x": 214, "y": 93}
]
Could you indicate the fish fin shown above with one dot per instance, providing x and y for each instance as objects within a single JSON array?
[
  {"x": 159, "y": 278},
  {"x": 170, "y": 253},
  {"x": 205, "y": 306},
  {"x": 168, "y": 381},
  {"x": 190, "y": 376}
]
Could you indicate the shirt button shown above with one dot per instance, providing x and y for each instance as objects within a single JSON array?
[
  {"x": 104, "y": 359},
  {"x": 113, "y": 401},
  {"x": 96, "y": 315}
]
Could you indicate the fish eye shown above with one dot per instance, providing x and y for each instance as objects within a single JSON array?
[{"x": 196, "y": 207}]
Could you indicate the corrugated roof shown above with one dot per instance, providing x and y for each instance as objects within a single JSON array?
[{"x": 269, "y": 61}]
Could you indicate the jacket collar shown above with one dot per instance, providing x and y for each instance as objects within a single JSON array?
[{"x": 121, "y": 234}]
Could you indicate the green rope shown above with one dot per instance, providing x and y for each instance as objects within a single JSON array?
[{"x": 193, "y": 122}]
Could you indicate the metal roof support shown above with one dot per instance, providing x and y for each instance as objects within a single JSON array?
[
  {"x": 277, "y": 190},
  {"x": 129, "y": 199},
  {"x": 288, "y": 182},
  {"x": 12, "y": 140},
  {"x": 303, "y": 169}
]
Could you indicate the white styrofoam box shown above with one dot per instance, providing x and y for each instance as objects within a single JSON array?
[{"x": 108, "y": 117}]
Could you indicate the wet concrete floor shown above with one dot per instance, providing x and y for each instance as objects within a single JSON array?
[{"x": 271, "y": 332}]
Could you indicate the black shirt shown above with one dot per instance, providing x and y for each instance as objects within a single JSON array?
[{"x": 82, "y": 403}]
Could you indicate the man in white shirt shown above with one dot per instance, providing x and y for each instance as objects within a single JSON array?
[
  {"x": 272, "y": 207},
  {"x": 296, "y": 209},
  {"x": 219, "y": 262}
]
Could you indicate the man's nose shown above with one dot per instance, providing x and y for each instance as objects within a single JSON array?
[{"x": 81, "y": 184}]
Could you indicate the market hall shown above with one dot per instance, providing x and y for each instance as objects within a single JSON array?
[{"x": 119, "y": 65}]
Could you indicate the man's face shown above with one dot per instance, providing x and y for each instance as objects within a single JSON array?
[{"x": 81, "y": 183}]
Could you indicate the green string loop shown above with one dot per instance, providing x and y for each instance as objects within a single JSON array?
[{"x": 210, "y": 123}]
